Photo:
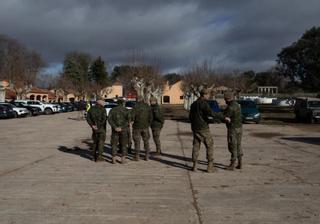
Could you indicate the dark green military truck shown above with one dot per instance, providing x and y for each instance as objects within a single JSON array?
[{"x": 307, "y": 109}]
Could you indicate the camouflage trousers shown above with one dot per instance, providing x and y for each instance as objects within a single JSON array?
[
  {"x": 129, "y": 140},
  {"x": 234, "y": 142},
  {"x": 205, "y": 137},
  {"x": 137, "y": 135},
  {"x": 129, "y": 135},
  {"x": 120, "y": 138},
  {"x": 156, "y": 138},
  {"x": 98, "y": 143}
]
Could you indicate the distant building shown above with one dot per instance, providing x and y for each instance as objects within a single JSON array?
[
  {"x": 41, "y": 94},
  {"x": 267, "y": 90},
  {"x": 220, "y": 89},
  {"x": 131, "y": 94},
  {"x": 173, "y": 94},
  {"x": 116, "y": 90},
  {"x": 3, "y": 87}
]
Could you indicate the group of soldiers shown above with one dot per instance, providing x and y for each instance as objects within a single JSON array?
[
  {"x": 122, "y": 120},
  {"x": 143, "y": 116},
  {"x": 200, "y": 113}
]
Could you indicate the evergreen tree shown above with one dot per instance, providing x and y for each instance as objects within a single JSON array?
[
  {"x": 301, "y": 61},
  {"x": 98, "y": 73},
  {"x": 76, "y": 72}
]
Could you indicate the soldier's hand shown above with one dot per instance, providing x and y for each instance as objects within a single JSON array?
[
  {"x": 94, "y": 127},
  {"x": 118, "y": 129}
]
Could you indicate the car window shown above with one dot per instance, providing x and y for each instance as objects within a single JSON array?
[
  {"x": 314, "y": 103},
  {"x": 130, "y": 103},
  {"x": 247, "y": 104},
  {"x": 304, "y": 103},
  {"x": 110, "y": 105}
]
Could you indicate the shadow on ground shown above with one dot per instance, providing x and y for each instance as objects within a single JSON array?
[
  {"x": 165, "y": 158},
  {"x": 308, "y": 140},
  {"x": 85, "y": 151},
  {"x": 172, "y": 160}
]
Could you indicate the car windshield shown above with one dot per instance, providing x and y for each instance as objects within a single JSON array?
[
  {"x": 18, "y": 104},
  {"x": 110, "y": 105},
  {"x": 247, "y": 104},
  {"x": 314, "y": 103}
]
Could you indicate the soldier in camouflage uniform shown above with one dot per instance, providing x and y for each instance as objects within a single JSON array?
[
  {"x": 119, "y": 119},
  {"x": 200, "y": 112},
  {"x": 234, "y": 126},
  {"x": 141, "y": 118},
  {"x": 156, "y": 124},
  {"x": 96, "y": 118}
]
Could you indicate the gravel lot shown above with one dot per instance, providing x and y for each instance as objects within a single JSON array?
[{"x": 47, "y": 176}]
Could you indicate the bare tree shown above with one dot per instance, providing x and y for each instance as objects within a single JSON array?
[
  {"x": 200, "y": 76},
  {"x": 141, "y": 74},
  {"x": 19, "y": 65}
]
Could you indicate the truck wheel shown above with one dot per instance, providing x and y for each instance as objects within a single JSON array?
[
  {"x": 48, "y": 111},
  {"x": 15, "y": 115}
]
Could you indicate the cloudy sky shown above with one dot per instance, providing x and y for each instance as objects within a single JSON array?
[{"x": 232, "y": 34}]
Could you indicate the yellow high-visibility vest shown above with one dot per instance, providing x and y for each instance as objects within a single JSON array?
[{"x": 88, "y": 106}]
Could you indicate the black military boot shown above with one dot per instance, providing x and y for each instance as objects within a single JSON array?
[
  {"x": 211, "y": 168},
  {"x": 195, "y": 166},
  {"x": 239, "y": 163},
  {"x": 231, "y": 166}
]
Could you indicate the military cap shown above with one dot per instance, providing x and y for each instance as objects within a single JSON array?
[{"x": 228, "y": 95}]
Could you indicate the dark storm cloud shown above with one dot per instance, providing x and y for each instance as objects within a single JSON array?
[{"x": 234, "y": 34}]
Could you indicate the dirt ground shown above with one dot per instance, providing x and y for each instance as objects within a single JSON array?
[{"x": 47, "y": 176}]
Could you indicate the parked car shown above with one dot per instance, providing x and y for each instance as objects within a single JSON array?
[
  {"x": 109, "y": 106},
  {"x": 18, "y": 111},
  {"x": 69, "y": 106},
  {"x": 214, "y": 106},
  {"x": 79, "y": 105},
  {"x": 283, "y": 102},
  {"x": 130, "y": 104},
  {"x": 33, "y": 110},
  {"x": 46, "y": 108},
  {"x": 6, "y": 112},
  {"x": 307, "y": 109},
  {"x": 249, "y": 111},
  {"x": 61, "y": 107}
]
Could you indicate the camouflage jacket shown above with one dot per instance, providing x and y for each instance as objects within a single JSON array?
[
  {"x": 200, "y": 112},
  {"x": 97, "y": 116},
  {"x": 157, "y": 117},
  {"x": 119, "y": 117},
  {"x": 141, "y": 116},
  {"x": 233, "y": 111}
]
